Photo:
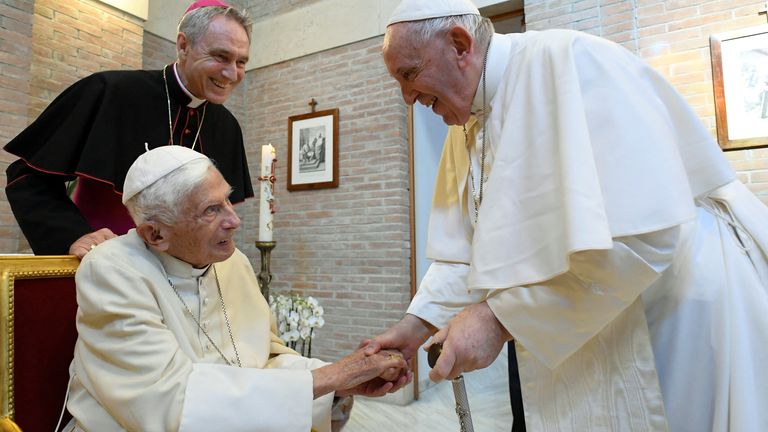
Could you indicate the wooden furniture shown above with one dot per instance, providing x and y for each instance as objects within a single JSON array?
[{"x": 37, "y": 337}]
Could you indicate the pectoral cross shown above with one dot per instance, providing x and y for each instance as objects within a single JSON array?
[{"x": 764, "y": 11}]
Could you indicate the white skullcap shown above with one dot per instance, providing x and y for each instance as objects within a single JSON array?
[
  {"x": 416, "y": 10},
  {"x": 154, "y": 165}
]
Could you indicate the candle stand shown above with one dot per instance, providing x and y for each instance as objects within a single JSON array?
[{"x": 265, "y": 276}]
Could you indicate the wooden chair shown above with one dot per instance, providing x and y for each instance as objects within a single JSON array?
[{"x": 37, "y": 339}]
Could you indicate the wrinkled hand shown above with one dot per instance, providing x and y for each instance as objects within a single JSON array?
[
  {"x": 406, "y": 336},
  {"x": 359, "y": 373},
  {"x": 86, "y": 243},
  {"x": 471, "y": 340},
  {"x": 381, "y": 385}
]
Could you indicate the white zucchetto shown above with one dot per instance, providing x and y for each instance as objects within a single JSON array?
[
  {"x": 415, "y": 10},
  {"x": 154, "y": 165}
]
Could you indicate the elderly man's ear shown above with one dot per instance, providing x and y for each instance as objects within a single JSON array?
[
  {"x": 461, "y": 41},
  {"x": 182, "y": 45},
  {"x": 154, "y": 235}
]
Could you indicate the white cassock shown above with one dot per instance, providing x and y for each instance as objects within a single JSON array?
[
  {"x": 142, "y": 364},
  {"x": 613, "y": 243}
]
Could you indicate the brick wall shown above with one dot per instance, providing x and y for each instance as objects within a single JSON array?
[
  {"x": 15, "y": 60},
  {"x": 349, "y": 246},
  {"x": 673, "y": 36},
  {"x": 157, "y": 52},
  {"x": 47, "y": 45},
  {"x": 72, "y": 39}
]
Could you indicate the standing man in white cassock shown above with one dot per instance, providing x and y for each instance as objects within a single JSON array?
[{"x": 588, "y": 215}]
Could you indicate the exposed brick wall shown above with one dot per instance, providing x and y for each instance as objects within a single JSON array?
[
  {"x": 72, "y": 39},
  {"x": 673, "y": 36},
  {"x": 15, "y": 59},
  {"x": 157, "y": 52},
  {"x": 349, "y": 246},
  {"x": 48, "y": 45}
]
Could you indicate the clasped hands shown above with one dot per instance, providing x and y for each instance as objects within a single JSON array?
[
  {"x": 359, "y": 373},
  {"x": 471, "y": 340}
]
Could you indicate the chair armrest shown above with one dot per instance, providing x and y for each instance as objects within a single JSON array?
[{"x": 7, "y": 425}]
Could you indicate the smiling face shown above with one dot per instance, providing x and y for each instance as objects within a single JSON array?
[
  {"x": 205, "y": 234},
  {"x": 211, "y": 68},
  {"x": 439, "y": 74}
]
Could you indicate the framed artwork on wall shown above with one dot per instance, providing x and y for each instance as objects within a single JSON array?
[
  {"x": 740, "y": 81},
  {"x": 313, "y": 150}
]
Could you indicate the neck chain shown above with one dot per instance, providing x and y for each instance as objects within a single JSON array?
[
  {"x": 226, "y": 319},
  {"x": 170, "y": 122},
  {"x": 477, "y": 198}
]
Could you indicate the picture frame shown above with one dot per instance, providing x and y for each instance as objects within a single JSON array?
[
  {"x": 313, "y": 150},
  {"x": 740, "y": 83}
]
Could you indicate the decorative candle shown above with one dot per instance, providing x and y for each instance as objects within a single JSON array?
[{"x": 267, "y": 197}]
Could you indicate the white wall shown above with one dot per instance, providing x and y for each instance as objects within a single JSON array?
[
  {"x": 164, "y": 17},
  {"x": 138, "y": 8},
  {"x": 428, "y": 136}
]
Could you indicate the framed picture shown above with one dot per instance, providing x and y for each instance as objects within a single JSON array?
[
  {"x": 313, "y": 150},
  {"x": 740, "y": 81}
]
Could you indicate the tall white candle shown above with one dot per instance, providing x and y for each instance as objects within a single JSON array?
[{"x": 266, "y": 197}]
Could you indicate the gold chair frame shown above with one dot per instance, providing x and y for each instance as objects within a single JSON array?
[{"x": 13, "y": 267}]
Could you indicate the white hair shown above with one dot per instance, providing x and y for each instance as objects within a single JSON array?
[
  {"x": 161, "y": 201},
  {"x": 421, "y": 31},
  {"x": 195, "y": 23}
]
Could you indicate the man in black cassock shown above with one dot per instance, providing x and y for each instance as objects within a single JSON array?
[{"x": 96, "y": 128}]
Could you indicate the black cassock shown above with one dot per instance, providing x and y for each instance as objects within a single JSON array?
[{"x": 94, "y": 131}]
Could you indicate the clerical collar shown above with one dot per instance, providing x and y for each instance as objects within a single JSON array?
[
  {"x": 194, "y": 102},
  {"x": 497, "y": 58},
  {"x": 178, "y": 268}
]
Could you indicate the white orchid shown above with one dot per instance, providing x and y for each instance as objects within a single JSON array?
[
  {"x": 315, "y": 322},
  {"x": 291, "y": 336},
  {"x": 293, "y": 317},
  {"x": 297, "y": 317}
]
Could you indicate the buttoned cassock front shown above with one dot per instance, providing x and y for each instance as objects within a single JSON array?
[{"x": 141, "y": 363}]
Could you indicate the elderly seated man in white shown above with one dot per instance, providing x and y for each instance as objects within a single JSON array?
[{"x": 174, "y": 333}]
